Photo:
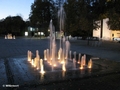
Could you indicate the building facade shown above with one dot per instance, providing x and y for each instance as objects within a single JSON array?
[{"x": 107, "y": 34}]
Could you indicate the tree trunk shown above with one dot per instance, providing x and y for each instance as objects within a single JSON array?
[{"x": 101, "y": 31}]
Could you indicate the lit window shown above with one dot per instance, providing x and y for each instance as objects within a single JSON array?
[{"x": 26, "y": 33}]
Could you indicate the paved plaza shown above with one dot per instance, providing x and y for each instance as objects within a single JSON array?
[{"x": 107, "y": 50}]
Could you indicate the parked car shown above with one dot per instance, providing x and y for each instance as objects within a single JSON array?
[{"x": 116, "y": 38}]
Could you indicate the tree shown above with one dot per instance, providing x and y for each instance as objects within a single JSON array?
[
  {"x": 2, "y": 27},
  {"x": 42, "y": 11},
  {"x": 79, "y": 17},
  {"x": 14, "y": 25},
  {"x": 70, "y": 9},
  {"x": 113, "y": 13}
]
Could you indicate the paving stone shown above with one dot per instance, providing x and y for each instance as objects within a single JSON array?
[{"x": 3, "y": 76}]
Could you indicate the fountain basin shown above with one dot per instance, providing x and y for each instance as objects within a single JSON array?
[{"x": 24, "y": 74}]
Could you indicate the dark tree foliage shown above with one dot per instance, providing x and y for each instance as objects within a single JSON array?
[
  {"x": 15, "y": 25},
  {"x": 113, "y": 13},
  {"x": 42, "y": 11},
  {"x": 70, "y": 16},
  {"x": 108, "y": 9},
  {"x": 2, "y": 27},
  {"x": 79, "y": 17}
]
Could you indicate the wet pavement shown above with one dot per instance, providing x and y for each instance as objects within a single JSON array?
[
  {"x": 26, "y": 76},
  {"x": 3, "y": 75},
  {"x": 19, "y": 72}
]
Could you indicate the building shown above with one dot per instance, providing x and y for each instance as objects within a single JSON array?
[
  {"x": 34, "y": 32},
  {"x": 107, "y": 34}
]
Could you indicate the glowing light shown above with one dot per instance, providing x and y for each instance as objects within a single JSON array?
[
  {"x": 59, "y": 55},
  {"x": 42, "y": 72},
  {"x": 42, "y": 67},
  {"x": 9, "y": 36},
  {"x": 37, "y": 68},
  {"x": 62, "y": 62},
  {"x": 29, "y": 55},
  {"x": 78, "y": 62},
  {"x": 90, "y": 64},
  {"x": 26, "y": 33},
  {"x": 63, "y": 67},
  {"x": 81, "y": 67},
  {"x": 54, "y": 65},
  {"x": 48, "y": 30},
  {"x": 42, "y": 33},
  {"x": 38, "y": 33},
  {"x": 79, "y": 58},
  {"x": 84, "y": 60},
  {"x": 29, "y": 59}
]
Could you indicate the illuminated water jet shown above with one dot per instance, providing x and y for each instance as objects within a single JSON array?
[
  {"x": 60, "y": 58},
  {"x": 79, "y": 55},
  {"x": 90, "y": 63},
  {"x": 41, "y": 67}
]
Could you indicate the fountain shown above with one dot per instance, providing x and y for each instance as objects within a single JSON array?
[
  {"x": 79, "y": 58},
  {"x": 74, "y": 55},
  {"x": 9, "y": 36},
  {"x": 70, "y": 54},
  {"x": 42, "y": 67},
  {"x": 61, "y": 16},
  {"x": 37, "y": 60},
  {"x": 45, "y": 54},
  {"x": 29, "y": 54},
  {"x": 90, "y": 64},
  {"x": 74, "y": 63},
  {"x": 60, "y": 59}
]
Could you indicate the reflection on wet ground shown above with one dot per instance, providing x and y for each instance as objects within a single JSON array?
[{"x": 25, "y": 75}]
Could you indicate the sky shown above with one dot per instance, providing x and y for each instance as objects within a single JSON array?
[{"x": 15, "y": 7}]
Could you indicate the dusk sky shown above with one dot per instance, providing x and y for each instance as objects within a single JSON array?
[{"x": 15, "y": 7}]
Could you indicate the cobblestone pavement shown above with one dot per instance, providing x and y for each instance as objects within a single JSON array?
[
  {"x": 107, "y": 50},
  {"x": 17, "y": 47}
]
